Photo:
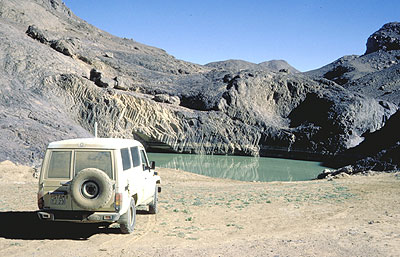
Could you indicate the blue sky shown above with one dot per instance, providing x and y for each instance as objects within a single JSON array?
[{"x": 308, "y": 34}]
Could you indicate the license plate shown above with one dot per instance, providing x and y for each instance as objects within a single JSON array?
[{"x": 58, "y": 199}]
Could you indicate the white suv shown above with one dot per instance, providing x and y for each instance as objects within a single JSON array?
[{"x": 97, "y": 180}]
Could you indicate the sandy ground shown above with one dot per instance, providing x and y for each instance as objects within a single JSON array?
[{"x": 201, "y": 216}]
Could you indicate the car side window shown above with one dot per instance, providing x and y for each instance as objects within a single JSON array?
[
  {"x": 143, "y": 156},
  {"x": 135, "y": 156},
  {"x": 126, "y": 160}
]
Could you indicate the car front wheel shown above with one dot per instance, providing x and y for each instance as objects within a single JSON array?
[{"x": 153, "y": 209}]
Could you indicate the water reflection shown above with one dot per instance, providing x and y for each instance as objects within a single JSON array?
[{"x": 240, "y": 167}]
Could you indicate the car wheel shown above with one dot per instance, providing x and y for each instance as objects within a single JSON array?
[
  {"x": 128, "y": 220},
  {"x": 91, "y": 189},
  {"x": 153, "y": 209}
]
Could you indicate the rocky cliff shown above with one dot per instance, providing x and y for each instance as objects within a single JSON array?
[
  {"x": 60, "y": 75},
  {"x": 375, "y": 74}
]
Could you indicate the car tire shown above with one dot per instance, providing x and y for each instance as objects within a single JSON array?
[
  {"x": 153, "y": 206},
  {"x": 128, "y": 220},
  {"x": 91, "y": 189}
]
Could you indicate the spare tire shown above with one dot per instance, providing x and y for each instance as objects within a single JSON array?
[{"x": 91, "y": 189}]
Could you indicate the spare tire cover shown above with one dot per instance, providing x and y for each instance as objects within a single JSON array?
[{"x": 91, "y": 189}]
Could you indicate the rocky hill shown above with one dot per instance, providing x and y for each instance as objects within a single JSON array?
[
  {"x": 376, "y": 73},
  {"x": 60, "y": 75},
  {"x": 240, "y": 65}
]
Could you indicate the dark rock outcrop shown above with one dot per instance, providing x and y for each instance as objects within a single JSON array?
[
  {"x": 379, "y": 151},
  {"x": 386, "y": 38}
]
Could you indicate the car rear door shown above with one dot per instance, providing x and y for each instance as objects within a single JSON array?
[
  {"x": 57, "y": 179},
  {"x": 101, "y": 159}
]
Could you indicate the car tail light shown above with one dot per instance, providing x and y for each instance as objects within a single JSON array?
[
  {"x": 118, "y": 201},
  {"x": 40, "y": 200}
]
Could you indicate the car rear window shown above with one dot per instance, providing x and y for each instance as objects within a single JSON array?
[
  {"x": 94, "y": 159},
  {"x": 60, "y": 163}
]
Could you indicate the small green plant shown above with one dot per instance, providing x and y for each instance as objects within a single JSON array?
[
  {"x": 197, "y": 203},
  {"x": 180, "y": 200},
  {"x": 340, "y": 188},
  {"x": 234, "y": 225}
]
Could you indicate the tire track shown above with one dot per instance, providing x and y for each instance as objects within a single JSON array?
[
  {"x": 150, "y": 224},
  {"x": 151, "y": 221}
]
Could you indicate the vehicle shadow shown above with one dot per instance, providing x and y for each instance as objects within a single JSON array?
[
  {"x": 27, "y": 226},
  {"x": 142, "y": 212}
]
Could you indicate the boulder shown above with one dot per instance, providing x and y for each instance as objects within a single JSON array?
[
  {"x": 37, "y": 34},
  {"x": 122, "y": 83},
  {"x": 100, "y": 80},
  {"x": 65, "y": 46},
  {"x": 164, "y": 98},
  {"x": 109, "y": 55}
]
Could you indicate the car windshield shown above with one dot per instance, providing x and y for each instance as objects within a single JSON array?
[{"x": 94, "y": 159}]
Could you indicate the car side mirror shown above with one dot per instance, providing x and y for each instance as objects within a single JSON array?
[
  {"x": 152, "y": 165},
  {"x": 36, "y": 172}
]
